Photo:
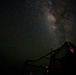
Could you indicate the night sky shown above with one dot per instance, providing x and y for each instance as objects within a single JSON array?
[{"x": 30, "y": 28}]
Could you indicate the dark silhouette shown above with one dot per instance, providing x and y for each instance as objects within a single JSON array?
[
  {"x": 62, "y": 61},
  {"x": 68, "y": 62}
]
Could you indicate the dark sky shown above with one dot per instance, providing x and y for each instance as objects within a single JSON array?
[{"x": 30, "y": 28}]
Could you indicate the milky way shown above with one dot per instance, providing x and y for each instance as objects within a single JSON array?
[
  {"x": 60, "y": 18},
  {"x": 30, "y": 28}
]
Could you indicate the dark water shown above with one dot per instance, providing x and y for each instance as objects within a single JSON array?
[
  {"x": 34, "y": 70},
  {"x": 15, "y": 69},
  {"x": 7, "y": 68}
]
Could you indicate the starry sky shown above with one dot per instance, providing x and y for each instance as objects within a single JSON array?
[{"x": 30, "y": 28}]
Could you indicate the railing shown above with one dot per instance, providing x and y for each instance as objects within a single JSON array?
[
  {"x": 28, "y": 65},
  {"x": 54, "y": 64}
]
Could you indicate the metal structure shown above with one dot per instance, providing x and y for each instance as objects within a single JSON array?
[{"x": 60, "y": 61}]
